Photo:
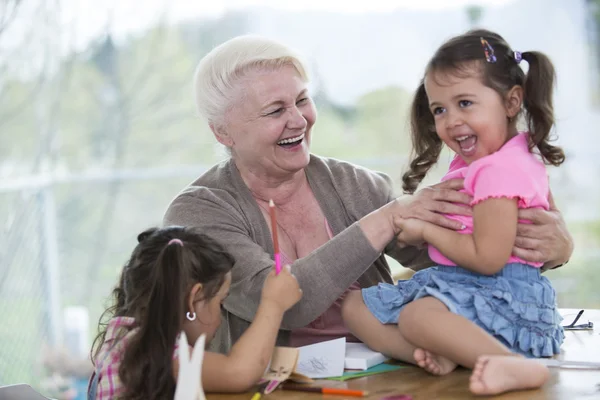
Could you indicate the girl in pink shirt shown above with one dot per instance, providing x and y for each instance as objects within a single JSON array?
[
  {"x": 176, "y": 280},
  {"x": 480, "y": 306}
]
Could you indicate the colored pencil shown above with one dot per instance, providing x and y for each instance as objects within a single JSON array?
[
  {"x": 256, "y": 396},
  {"x": 323, "y": 390},
  {"x": 275, "y": 239}
]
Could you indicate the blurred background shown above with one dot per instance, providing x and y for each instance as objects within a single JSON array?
[{"x": 98, "y": 133}]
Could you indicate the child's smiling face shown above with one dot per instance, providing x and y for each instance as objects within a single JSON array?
[{"x": 471, "y": 118}]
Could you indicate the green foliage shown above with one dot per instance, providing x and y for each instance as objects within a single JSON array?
[
  {"x": 381, "y": 127},
  {"x": 594, "y": 12},
  {"x": 18, "y": 127},
  {"x": 20, "y": 363},
  {"x": 474, "y": 13}
]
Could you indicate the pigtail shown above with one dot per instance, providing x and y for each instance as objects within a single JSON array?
[
  {"x": 538, "y": 90},
  {"x": 146, "y": 366},
  {"x": 426, "y": 143}
]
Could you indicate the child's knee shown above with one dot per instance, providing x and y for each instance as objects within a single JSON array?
[
  {"x": 409, "y": 318},
  {"x": 418, "y": 312},
  {"x": 352, "y": 302}
]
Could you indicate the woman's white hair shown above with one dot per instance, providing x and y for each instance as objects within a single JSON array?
[{"x": 219, "y": 72}]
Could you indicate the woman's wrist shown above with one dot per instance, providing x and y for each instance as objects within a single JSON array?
[
  {"x": 564, "y": 257},
  {"x": 378, "y": 226}
]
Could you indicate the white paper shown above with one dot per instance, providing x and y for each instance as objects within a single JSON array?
[
  {"x": 322, "y": 360},
  {"x": 551, "y": 363},
  {"x": 361, "y": 357}
]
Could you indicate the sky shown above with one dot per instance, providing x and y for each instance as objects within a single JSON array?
[
  {"x": 89, "y": 17},
  {"x": 64, "y": 26}
]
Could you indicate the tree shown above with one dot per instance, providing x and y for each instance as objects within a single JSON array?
[
  {"x": 474, "y": 14},
  {"x": 593, "y": 7},
  {"x": 383, "y": 122},
  {"x": 113, "y": 107}
]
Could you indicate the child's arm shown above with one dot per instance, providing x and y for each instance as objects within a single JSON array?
[
  {"x": 489, "y": 247},
  {"x": 243, "y": 367}
]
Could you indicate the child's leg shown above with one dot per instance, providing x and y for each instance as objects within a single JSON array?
[
  {"x": 427, "y": 323},
  {"x": 498, "y": 374},
  {"x": 385, "y": 339}
]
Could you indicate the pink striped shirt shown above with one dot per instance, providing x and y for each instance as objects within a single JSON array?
[{"x": 119, "y": 332}]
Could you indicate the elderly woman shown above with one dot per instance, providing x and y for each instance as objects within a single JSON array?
[{"x": 335, "y": 220}]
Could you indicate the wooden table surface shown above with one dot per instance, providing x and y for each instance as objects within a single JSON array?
[{"x": 565, "y": 384}]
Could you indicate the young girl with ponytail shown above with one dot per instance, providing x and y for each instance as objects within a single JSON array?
[{"x": 176, "y": 280}]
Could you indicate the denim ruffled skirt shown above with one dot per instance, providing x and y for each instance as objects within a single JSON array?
[{"x": 517, "y": 305}]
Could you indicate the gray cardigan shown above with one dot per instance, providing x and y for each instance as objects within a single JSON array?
[{"x": 221, "y": 204}]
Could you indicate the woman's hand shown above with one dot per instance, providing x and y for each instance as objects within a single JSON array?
[
  {"x": 546, "y": 239},
  {"x": 429, "y": 203}
]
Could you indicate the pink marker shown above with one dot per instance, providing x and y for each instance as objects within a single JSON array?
[{"x": 274, "y": 234}]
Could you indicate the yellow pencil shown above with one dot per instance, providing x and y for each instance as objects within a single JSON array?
[{"x": 256, "y": 396}]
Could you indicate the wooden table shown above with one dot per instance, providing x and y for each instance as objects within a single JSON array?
[{"x": 565, "y": 384}]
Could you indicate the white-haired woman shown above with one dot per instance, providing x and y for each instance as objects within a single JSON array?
[{"x": 335, "y": 221}]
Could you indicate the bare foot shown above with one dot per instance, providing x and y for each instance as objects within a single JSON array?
[
  {"x": 432, "y": 363},
  {"x": 498, "y": 374}
]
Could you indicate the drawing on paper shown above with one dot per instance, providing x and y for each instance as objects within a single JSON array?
[{"x": 314, "y": 365}]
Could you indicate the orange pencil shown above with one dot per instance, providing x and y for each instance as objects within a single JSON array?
[
  {"x": 323, "y": 390},
  {"x": 274, "y": 234}
]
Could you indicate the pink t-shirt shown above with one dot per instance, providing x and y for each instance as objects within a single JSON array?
[
  {"x": 511, "y": 172},
  {"x": 328, "y": 325}
]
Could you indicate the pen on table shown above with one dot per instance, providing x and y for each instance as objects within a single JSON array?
[
  {"x": 275, "y": 239},
  {"x": 323, "y": 390}
]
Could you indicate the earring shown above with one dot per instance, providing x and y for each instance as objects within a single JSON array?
[{"x": 190, "y": 316}]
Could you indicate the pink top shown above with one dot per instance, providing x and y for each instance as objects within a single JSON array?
[
  {"x": 511, "y": 172},
  {"x": 118, "y": 333},
  {"x": 328, "y": 325}
]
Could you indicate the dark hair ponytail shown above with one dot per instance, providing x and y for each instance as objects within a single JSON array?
[
  {"x": 426, "y": 143},
  {"x": 159, "y": 324},
  {"x": 537, "y": 98}
]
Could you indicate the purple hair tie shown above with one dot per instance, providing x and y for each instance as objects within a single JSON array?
[
  {"x": 176, "y": 241},
  {"x": 518, "y": 56}
]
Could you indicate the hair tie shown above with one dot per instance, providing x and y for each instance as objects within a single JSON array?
[
  {"x": 488, "y": 50},
  {"x": 518, "y": 56},
  {"x": 176, "y": 241}
]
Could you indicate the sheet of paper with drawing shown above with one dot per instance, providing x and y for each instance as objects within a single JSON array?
[{"x": 322, "y": 360}]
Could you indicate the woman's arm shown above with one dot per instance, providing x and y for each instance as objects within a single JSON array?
[
  {"x": 488, "y": 248},
  {"x": 323, "y": 274}
]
